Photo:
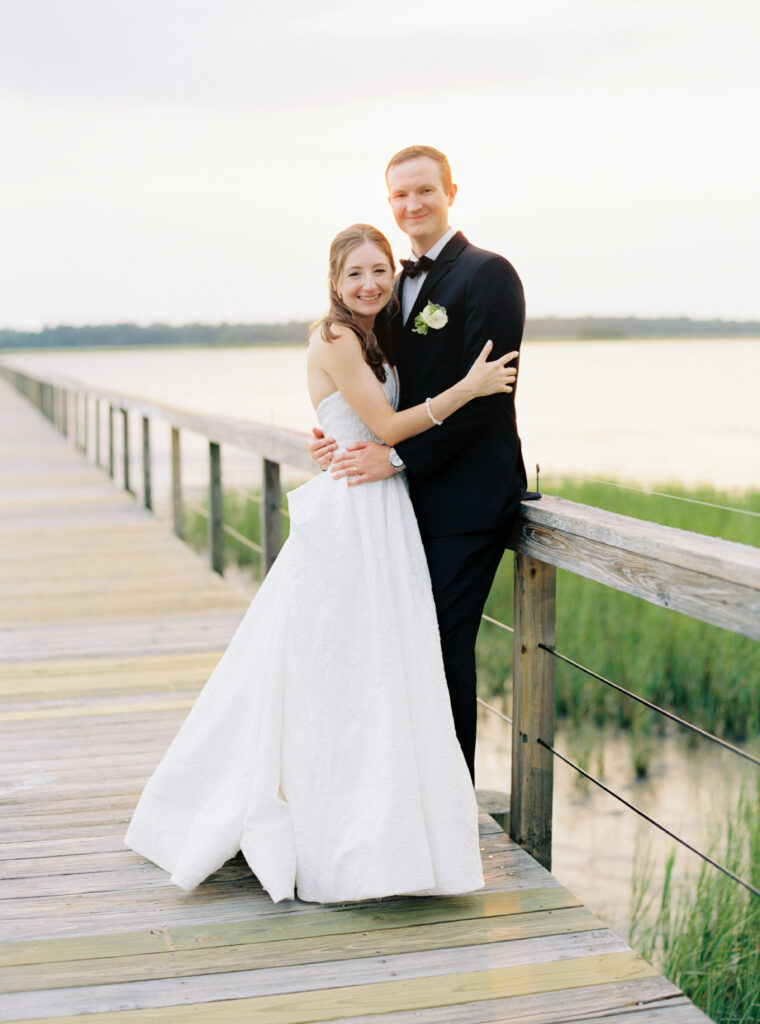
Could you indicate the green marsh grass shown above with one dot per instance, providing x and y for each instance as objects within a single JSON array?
[
  {"x": 702, "y": 673},
  {"x": 703, "y": 932}
]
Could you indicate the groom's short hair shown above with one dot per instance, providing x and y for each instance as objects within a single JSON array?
[{"x": 413, "y": 152}]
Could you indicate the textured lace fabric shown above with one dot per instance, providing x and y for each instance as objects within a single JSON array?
[
  {"x": 338, "y": 419},
  {"x": 323, "y": 744}
]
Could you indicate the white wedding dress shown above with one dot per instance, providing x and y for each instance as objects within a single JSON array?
[{"x": 323, "y": 743}]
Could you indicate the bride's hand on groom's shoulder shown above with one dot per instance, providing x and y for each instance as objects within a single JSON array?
[
  {"x": 363, "y": 463},
  {"x": 322, "y": 448}
]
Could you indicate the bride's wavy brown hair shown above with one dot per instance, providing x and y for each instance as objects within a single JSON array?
[{"x": 377, "y": 344}]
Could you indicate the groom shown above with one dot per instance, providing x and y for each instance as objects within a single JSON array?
[{"x": 466, "y": 476}]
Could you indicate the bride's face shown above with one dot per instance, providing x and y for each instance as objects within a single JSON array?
[{"x": 365, "y": 283}]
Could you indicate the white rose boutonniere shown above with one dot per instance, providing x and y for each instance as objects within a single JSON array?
[{"x": 431, "y": 316}]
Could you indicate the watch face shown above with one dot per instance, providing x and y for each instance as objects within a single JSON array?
[{"x": 396, "y": 461}]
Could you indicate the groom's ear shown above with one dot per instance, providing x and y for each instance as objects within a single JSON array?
[{"x": 452, "y": 193}]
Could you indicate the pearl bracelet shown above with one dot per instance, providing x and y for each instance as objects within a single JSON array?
[{"x": 438, "y": 423}]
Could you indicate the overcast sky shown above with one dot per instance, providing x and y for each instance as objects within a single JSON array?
[{"x": 190, "y": 160}]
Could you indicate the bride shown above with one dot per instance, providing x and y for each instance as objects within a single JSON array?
[{"x": 323, "y": 744}]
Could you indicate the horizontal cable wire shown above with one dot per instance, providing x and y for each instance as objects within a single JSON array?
[
  {"x": 254, "y": 497},
  {"x": 637, "y": 810},
  {"x": 494, "y": 710},
  {"x": 509, "y": 629},
  {"x": 673, "y": 497},
  {"x": 196, "y": 508},
  {"x": 653, "y": 707},
  {"x": 496, "y": 622},
  {"x": 226, "y": 529},
  {"x": 243, "y": 540}
]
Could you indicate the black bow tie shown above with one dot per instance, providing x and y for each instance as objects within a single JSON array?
[{"x": 414, "y": 267}]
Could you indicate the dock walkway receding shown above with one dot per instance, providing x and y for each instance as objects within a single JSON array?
[{"x": 109, "y": 626}]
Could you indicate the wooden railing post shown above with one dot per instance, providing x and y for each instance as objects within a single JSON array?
[
  {"x": 64, "y": 412},
  {"x": 215, "y": 508},
  {"x": 125, "y": 447},
  {"x": 110, "y": 441},
  {"x": 177, "y": 513},
  {"x": 147, "y": 495},
  {"x": 76, "y": 403},
  {"x": 86, "y": 425},
  {"x": 97, "y": 431},
  {"x": 271, "y": 517},
  {"x": 533, "y": 708}
]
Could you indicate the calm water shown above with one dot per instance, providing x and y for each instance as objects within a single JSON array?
[
  {"x": 643, "y": 411},
  {"x": 651, "y": 412}
]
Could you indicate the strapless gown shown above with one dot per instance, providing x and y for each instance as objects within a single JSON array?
[{"x": 323, "y": 743}]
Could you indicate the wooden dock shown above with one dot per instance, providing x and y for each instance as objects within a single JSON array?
[{"x": 109, "y": 626}]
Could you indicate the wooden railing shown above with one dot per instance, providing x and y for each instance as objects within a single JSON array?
[
  {"x": 67, "y": 404},
  {"x": 712, "y": 580}
]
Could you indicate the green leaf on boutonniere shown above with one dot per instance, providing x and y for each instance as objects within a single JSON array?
[{"x": 432, "y": 315}]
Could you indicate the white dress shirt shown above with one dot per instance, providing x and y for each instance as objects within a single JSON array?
[{"x": 412, "y": 285}]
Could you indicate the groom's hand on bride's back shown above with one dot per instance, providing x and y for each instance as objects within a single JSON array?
[
  {"x": 362, "y": 463},
  {"x": 322, "y": 448}
]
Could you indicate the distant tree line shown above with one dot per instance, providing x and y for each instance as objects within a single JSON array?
[
  {"x": 548, "y": 328},
  {"x": 131, "y": 335},
  {"x": 592, "y": 327}
]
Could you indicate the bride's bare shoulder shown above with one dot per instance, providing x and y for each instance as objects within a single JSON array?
[{"x": 326, "y": 341}]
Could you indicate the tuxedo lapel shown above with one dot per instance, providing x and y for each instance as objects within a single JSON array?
[
  {"x": 397, "y": 296},
  {"x": 441, "y": 267}
]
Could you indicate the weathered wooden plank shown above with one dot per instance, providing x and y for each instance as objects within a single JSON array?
[
  {"x": 271, "y": 517},
  {"x": 166, "y": 632},
  {"x": 709, "y": 579},
  {"x": 215, "y": 508},
  {"x": 325, "y": 1002},
  {"x": 348, "y": 919},
  {"x": 21, "y": 482},
  {"x": 146, "y": 465},
  {"x": 138, "y": 604},
  {"x": 269, "y": 952},
  {"x": 111, "y": 459},
  {"x": 682, "y": 1012},
  {"x": 125, "y": 449},
  {"x": 86, "y": 424},
  {"x": 533, "y": 708},
  {"x": 90, "y": 566},
  {"x": 97, "y": 432},
  {"x": 644, "y": 997},
  {"x": 74, "y": 677},
  {"x": 21, "y": 877},
  {"x": 87, "y": 710},
  {"x": 118, "y": 861},
  {"x": 229, "y": 895},
  {"x": 713, "y": 556},
  {"x": 166, "y": 584},
  {"x": 178, "y": 516}
]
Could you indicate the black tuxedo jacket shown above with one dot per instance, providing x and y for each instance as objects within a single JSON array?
[{"x": 466, "y": 475}]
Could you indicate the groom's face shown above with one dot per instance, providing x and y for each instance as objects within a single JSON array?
[{"x": 420, "y": 201}]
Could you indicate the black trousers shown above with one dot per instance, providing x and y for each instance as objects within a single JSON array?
[{"x": 462, "y": 569}]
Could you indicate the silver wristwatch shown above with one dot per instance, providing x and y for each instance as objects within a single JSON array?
[{"x": 395, "y": 459}]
